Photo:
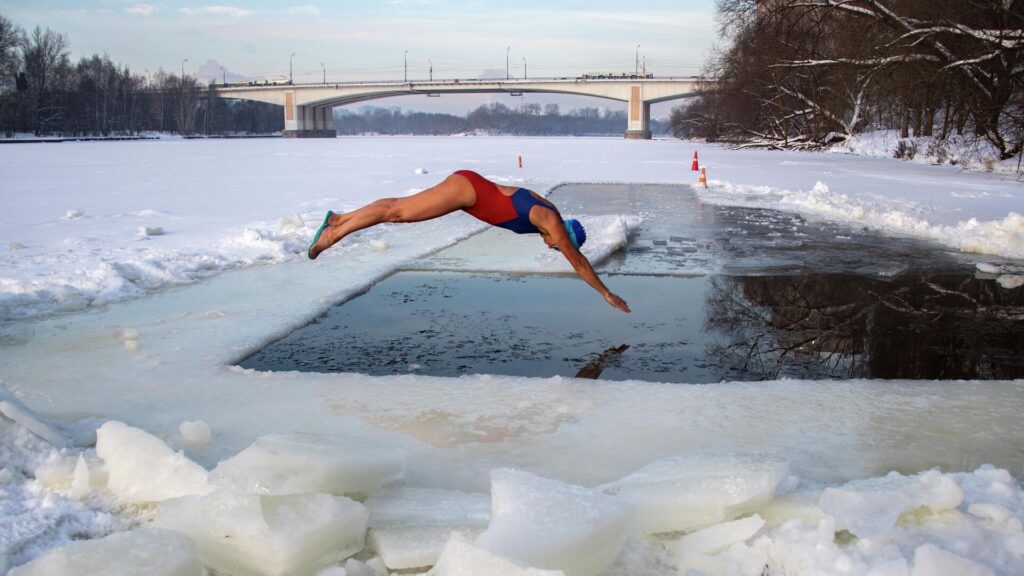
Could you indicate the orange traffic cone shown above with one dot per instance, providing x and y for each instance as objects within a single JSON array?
[
  {"x": 694, "y": 166},
  {"x": 703, "y": 177}
]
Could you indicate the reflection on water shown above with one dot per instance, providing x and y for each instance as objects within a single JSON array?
[
  {"x": 703, "y": 329},
  {"x": 847, "y": 326}
]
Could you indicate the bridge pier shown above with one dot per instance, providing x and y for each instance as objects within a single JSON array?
[
  {"x": 639, "y": 126},
  {"x": 307, "y": 121}
]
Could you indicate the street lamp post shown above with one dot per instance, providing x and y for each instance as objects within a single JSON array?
[
  {"x": 290, "y": 77},
  {"x": 431, "y": 69},
  {"x": 325, "y": 72},
  {"x": 506, "y": 62},
  {"x": 405, "y": 66},
  {"x": 224, "y": 75},
  {"x": 637, "y": 71},
  {"x": 183, "y": 68},
  {"x": 524, "y": 67}
]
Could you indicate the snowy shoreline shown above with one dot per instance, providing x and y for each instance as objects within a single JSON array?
[{"x": 159, "y": 361}]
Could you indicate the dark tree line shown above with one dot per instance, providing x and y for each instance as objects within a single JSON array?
[
  {"x": 495, "y": 118},
  {"x": 804, "y": 73},
  {"x": 43, "y": 92}
]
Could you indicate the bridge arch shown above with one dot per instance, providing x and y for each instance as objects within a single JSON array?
[{"x": 308, "y": 107}]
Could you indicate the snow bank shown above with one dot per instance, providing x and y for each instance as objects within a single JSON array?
[
  {"x": 686, "y": 493},
  {"x": 1002, "y": 236},
  {"x": 142, "y": 468},
  {"x": 248, "y": 534},
  {"x": 293, "y": 464},
  {"x": 150, "y": 551},
  {"x": 552, "y": 525}
]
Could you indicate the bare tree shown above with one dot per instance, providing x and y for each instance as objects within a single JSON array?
[{"x": 45, "y": 54}]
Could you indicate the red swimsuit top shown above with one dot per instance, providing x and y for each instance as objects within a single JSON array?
[{"x": 509, "y": 212}]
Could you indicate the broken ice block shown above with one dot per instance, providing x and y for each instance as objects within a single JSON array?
[
  {"x": 61, "y": 473},
  {"x": 871, "y": 507},
  {"x": 253, "y": 535},
  {"x": 142, "y": 468},
  {"x": 414, "y": 546},
  {"x": 150, "y": 551},
  {"x": 407, "y": 506},
  {"x": 930, "y": 560},
  {"x": 195, "y": 433},
  {"x": 461, "y": 558},
  {"x": 716, "y": 538},
  {"x": 690, "y": 492},
  {"x": 293, "y": 464},
  {"x": 13, "y": 409},
  {"x": 553, "y": 525}
]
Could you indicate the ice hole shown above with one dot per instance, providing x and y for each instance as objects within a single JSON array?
[{"x": 718, "y": 294}]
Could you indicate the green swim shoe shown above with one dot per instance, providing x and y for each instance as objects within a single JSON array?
[{"x": 316, "y": 236}]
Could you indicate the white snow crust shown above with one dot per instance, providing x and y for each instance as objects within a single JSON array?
[
  {"x": 151, "y": 551},
  {"x": 90, "y": 333}
]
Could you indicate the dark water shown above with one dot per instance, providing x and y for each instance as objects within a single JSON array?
[
  {"x": 703, "y": 329},
  {"x": 778, "y": 296}
]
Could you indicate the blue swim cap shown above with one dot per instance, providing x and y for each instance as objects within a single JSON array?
[{"x": 576, "y": 232}]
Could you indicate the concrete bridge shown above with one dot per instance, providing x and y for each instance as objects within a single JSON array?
[{"x": 308, "y": 107}]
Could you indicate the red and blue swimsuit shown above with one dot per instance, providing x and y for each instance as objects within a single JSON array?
[{"x": 509, "y": 212}]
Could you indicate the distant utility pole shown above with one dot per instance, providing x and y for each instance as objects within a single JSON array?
[
  {"x": 224, "y": 75},
  {"x": 431, "y": 69},
  {"x": 325, "y": 72},
  {"x": 405, "y": 67},
  {"x": 524, "y": 67},
  {"x": 290, "y": 77},
  {"x": 637, "y": 60},
  {"x": 506, "y": 62},
  {"x": 183, "y": 68}
]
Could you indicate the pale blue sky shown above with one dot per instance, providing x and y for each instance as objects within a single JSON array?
[{"x": 367, "y": 40}]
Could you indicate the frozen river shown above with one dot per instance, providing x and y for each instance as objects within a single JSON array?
[{"x": 105, "y": 321}]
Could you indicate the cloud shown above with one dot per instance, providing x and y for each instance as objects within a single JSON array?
[
  {"x": 141, "y": 9},
  {"x": 304, "y": 10},
  {"x": 217, "y": 11}
]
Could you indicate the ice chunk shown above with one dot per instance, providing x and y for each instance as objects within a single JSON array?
[
  {"x": 720, "y": 536},
  {"x": 195, "y": 433},
  {"x": 146, "y": 231},
  {"x": 142, "y": 468},
  {"x": 378, "y": 245},
  {"x": 1010, "y": 281},
  {"x": 461, "y": 558},
  {"x": 73, "y": 213},
  {"x": 292, "y": 464},
  {"x": 150, "y": 551},
  {"x": 692, "y": 563},
  {"x": 801, "y": 506},
  {"x": 407, "y": 506},
  {"x": 871, "y": 507},
  {"x": 690, "y": 492},
  {"x": 414, "y": 546},
  {"x": 13, "y": 409},
  {"x": 930, "y": 560},
  {"x": 249, "y": 534},
  {"x": 60, "y": 473},
  {"x": 553, "y": 525},
  {"x": 80, "y": 479},
  {"x": 421, "y": 171}
]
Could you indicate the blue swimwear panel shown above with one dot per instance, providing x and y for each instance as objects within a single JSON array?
[{"x": 523, "y": 201}]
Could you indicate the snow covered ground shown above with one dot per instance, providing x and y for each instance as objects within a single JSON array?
[{"x": 97, "y": 233}]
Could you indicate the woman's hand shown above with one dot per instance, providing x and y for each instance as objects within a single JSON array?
[{"x": 616, "y": 302}]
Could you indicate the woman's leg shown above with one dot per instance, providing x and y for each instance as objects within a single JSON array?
[{"x": 454, "y": 193}]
